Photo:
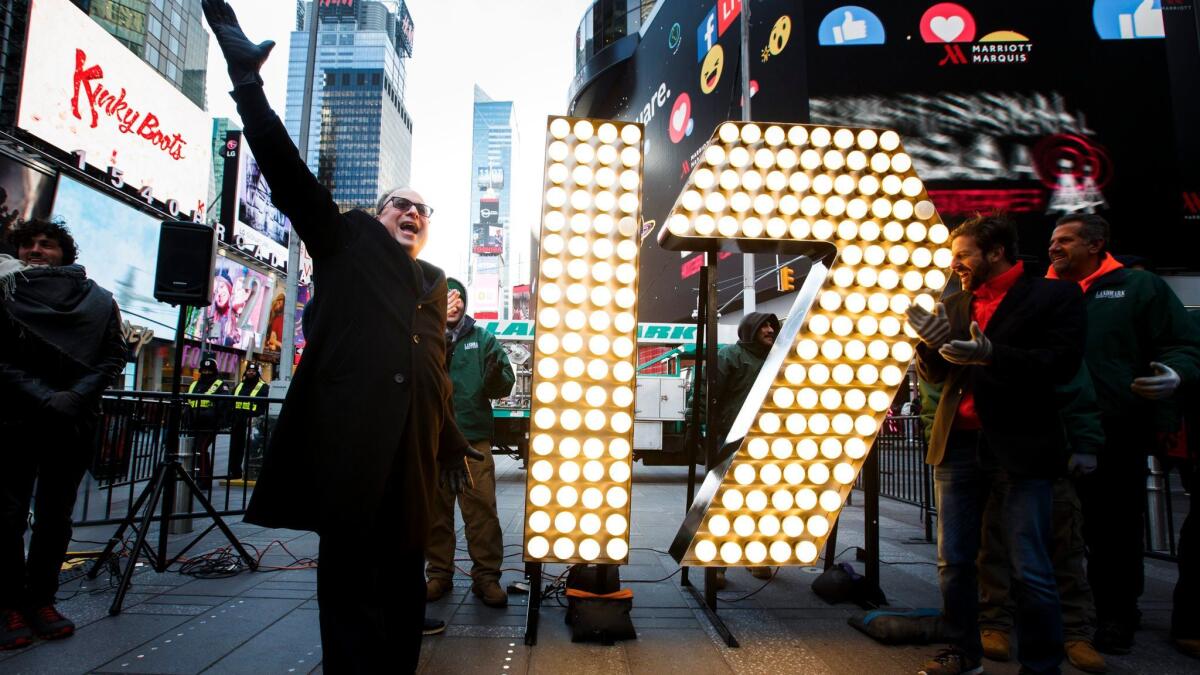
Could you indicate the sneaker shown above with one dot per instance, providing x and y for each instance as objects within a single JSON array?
[
  {"x": 15, "y": 632},
  {"x": 436, "y": 588},
  {"x": 760, "y": 572},
  {"x": 1113, "y": 638},
  {"x": 1191, "y": 647},
  {"x": 49, "y": 624},
  {"x": 490, "y": 593},
  {"x": 433, "y": 627},
  {"x": 951, "y": 662},
  {"x": 996, "y": 645},
  {"x": 1083, "y": 656}
]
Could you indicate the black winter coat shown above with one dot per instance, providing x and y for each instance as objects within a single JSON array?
[
  {"x": 1037, "y": 336},
  {"x": 369, "y": 413}
]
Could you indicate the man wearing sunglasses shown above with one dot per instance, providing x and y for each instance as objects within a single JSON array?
[{"x": 368, "y": 423}]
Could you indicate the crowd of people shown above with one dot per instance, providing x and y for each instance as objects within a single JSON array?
[{"x": 1047, "y": 394}]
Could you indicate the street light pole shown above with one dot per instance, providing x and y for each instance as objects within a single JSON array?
[
  {"x": 749, "y": 302},
  {"x": 288, "y": 353}
]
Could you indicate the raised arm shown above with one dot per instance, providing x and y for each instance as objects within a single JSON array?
[{"x": 294, "y": 190}]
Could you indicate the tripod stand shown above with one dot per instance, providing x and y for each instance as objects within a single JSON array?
[{"x": 162, "y": 487}]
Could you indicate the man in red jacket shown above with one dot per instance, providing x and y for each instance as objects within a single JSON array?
[{"x": 998, "y": 348}]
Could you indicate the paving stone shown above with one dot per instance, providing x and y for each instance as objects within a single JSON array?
[
  {"x": 93, "y": 645},
  {"x": 688, "y": 651},
  {"x": 450, "y": 654},
  {"x": 204, "y": 639},
  {"x": 292, "y": 644}
]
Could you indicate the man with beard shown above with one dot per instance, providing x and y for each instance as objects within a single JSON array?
[
  {"x": 1141, "y": 345},
  {"x": 368, "y": 422},
  {"x": 737, "y": 369},
  {"x": 998, "y": 348},
  {"x": 60, "y": 347},
  {"x": 480, "y": 372}
]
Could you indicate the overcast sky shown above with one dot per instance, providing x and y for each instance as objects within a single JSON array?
[{"x": 522, "y": 51}]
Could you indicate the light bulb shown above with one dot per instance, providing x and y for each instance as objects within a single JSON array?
[{"x": 538, "y": 547}]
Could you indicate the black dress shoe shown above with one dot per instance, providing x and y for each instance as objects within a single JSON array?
[{"x": 433, "y": 627}]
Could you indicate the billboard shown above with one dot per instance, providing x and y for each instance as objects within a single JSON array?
[
  {"x": 489, "y": 210},
  {"x": 1018, "y": 106},
  {"x": 249, "y": 218},
  {"x": 88, "y": 94},
  {"x": 118, "y": 246},
  {"x": 405, "y": 30},
  {"x": 489, "y": 178},
  {"x": 484, "y": 302},
  {"x": 240, "y": 308},
  {"x": 24, "y": 193},
  {"x": 522, "y": 302}
]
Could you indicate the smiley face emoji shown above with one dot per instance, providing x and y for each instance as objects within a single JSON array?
[
  {"x": 779, "y": 35},
  {"x": 710, "y": 70}
]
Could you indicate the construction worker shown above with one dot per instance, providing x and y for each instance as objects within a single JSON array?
[
  {"x": 480, "y": 371},
  {"x": 253, "y": 386}
]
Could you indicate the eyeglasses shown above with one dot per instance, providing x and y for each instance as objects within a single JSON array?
[{"x": 403, "y": 205}]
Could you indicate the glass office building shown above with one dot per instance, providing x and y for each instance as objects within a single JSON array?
[
  {"x": 493, "y": 137},
  {"x": 360, "y": 134}
]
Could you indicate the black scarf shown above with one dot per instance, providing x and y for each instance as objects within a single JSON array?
[{"x": 63, "y": 308}]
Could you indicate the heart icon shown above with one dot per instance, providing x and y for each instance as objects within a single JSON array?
[
  {"x": 680, "y": 117},
  {"x": 947, "y": 28}
]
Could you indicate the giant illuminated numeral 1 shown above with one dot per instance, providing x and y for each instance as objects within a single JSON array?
[
  {"x": 585, "y": 356},
  {"x": 850, "y": 199}
]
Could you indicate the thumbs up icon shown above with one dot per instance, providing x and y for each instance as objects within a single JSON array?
[
  {"x": 851, "y": 29},
  {"x": 1145, "y": 22}
]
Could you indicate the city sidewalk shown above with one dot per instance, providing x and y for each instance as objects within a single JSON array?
[{"x": 266, "y": 622}]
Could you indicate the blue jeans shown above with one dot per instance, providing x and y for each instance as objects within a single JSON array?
[{"x": 965, "y": 484}]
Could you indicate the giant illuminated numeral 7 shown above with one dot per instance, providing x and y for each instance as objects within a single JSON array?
[{"x": 850, "y": 200}]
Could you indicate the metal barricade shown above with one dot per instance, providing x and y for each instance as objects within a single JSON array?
[
  {"x": 130, "y": 441},
  {"x": 903, "y": 474}
]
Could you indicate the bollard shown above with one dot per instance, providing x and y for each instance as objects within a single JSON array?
[
  {"x": 183, "y": 496},
  {"x": 1156, "y": 509}
]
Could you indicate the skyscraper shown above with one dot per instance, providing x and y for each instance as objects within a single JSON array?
[
  {"x": 167, "y": 34},
  {"x": 493, "y": 137},
  {"x": 360, "y": 134}
]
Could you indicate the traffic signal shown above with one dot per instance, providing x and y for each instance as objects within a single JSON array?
[{"x": 787, "y": 279}]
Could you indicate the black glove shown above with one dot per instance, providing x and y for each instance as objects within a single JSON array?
[
  {"x": 65, "y": 403},
  {"x": 456, "y": 477},
  {"x": 474, "y": 454},
  {"x": 243, "y": 57}
]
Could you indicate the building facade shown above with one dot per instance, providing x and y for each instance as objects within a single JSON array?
[
  {"x": 167, "y": 34},
  {"x": 493, "y": 137},
  {"x": 360, "y": 133}
]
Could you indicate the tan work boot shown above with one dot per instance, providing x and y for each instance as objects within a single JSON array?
[
  {"x": 1191, "y": 647},
  {"x": 490, "y": 593},
  {"x": 436, "y": 588},
  {"x": 1084, "y": 656},
  {"x": 996, "y": 645},
  {"x": 760, "y": 572}
]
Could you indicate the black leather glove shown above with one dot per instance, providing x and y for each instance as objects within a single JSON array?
[
  {"x": 65, "y": 403},
  {"x": 456, "y": 477},
  {"x": 243, "y": 57},
  {"x": 474, "y": 454}
]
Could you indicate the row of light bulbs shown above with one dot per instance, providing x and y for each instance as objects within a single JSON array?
[{"x": 577, "y": 502}]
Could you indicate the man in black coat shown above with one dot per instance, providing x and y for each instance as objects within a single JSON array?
[
  {"x": 998, "y": 349},
  {"x": 368, "y": 423},
  {"x": 60, "y": 346}
]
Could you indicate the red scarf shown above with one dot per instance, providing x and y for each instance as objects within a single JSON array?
[
  {"x": 1107, "y": 265},
  {"x": 984, "y": 302}
]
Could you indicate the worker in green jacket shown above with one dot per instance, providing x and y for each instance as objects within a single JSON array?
[
  {"x": 1141, "y": 346},
  {"x": 737, "y": 369},
  {"x": 480, "y": 371}
]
